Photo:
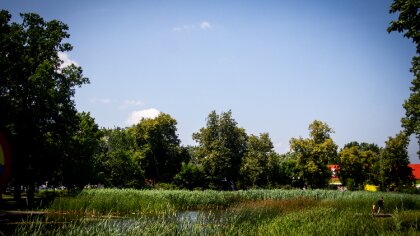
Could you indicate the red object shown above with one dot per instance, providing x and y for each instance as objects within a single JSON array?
[
  {"x": 416, "y": 170},
  {"x": 334, "y": 170}
]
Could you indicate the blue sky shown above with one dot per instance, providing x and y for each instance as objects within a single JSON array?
[{"x": 278, "y": 65}]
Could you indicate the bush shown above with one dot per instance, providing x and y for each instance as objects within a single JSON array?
[{"x": 190, "y": 177}]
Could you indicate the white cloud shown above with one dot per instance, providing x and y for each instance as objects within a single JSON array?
[
  {"x": 100, "y": 100},
  {"x": 183, "y": 28},
  {"x": 136, "y": 116},
  {"x": 205, "y": 25},
  {"x": 66, "y": 60},
  {"x": 130, "y": 103}
]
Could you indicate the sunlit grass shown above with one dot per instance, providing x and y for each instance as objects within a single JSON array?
[
  {"x": 129, "y": 201},
  {"x": 256, "y": 212}
]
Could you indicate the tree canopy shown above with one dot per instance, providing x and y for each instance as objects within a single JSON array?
[
  {"x": 359, "y": 164},
  {"x": 117, "y": 162},
  {"x": 222, "y": 145},
  {"x": 408, "y": 22},
  {"x": 160, "y": 151},
  {"x": 37, "y": 95},
  {"x": 395, "y": 171},
  {"x": 314, "y": 153},
  {"x": 259, "y": 161}
]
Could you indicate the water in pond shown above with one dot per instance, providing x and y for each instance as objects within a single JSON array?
[{"x": 181, "y": 221}]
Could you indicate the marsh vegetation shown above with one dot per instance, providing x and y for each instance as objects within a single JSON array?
[{"x": 253, "y": 212}]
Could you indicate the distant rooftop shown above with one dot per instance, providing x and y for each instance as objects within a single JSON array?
[{"x": 416, "y": 170}]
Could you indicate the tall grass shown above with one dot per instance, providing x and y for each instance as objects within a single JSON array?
[
  {"x": 128, "y": 201},
  {"x": 302, "y": 216},
  {"x": 255, "y": 212},
  {"x": 119, "y": 201}
]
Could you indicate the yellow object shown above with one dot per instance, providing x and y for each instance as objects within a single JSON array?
[{"x": 372, "y": 188}]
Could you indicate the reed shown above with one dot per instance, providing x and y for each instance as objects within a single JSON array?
[
  {"x": 255, "y": 212},
  {"x": 129, "y": 201},
  {"x": 259, "y": 219}
]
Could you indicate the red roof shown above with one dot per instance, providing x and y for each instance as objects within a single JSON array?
[{"x": 416, "y": 170}]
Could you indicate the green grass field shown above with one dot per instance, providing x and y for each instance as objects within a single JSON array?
[{"x": 254, "y": 212}]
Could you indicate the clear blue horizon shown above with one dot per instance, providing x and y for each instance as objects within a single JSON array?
[{"x": 277, "y": 65}]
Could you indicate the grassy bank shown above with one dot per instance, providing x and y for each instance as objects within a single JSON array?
[{"x": 256, "y": 212}]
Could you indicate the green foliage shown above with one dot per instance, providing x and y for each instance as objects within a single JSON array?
[
  {"x": 260, "y": 165},
  {"x": 159, "y": 145},
  {"x": 394, "y": 163},
  {"x": 358, "y": 164},
  {"x": 277, "y": 172},
  {"x": 149, "y": 149},
  {"x": 314, "y": 153},
  {"x": 411, "y": 121},
  {"x": 222, "y": 145},
  {"x": 190, "y": 177},
  {"x": 118, "y": 162},
  {"x": 289, "y": 171},
  {"x": 366, "y": 163},
  {"x": 37, "y": 97},
  {"x": 79, "y": 162},
  {"x": 408, "y": 22},
  {"x": 363, "y": 146}
]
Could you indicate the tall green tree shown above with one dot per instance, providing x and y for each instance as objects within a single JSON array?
[
  {"x": 159, "y": 145},
  {"x": 77, "y": 165},
  {"x": 289, "y": 172},
  {"x": 222, "y": 145},
  {"x": 357, "y": 164},
  {"x": 314, "y": 153},
  {"x": 408, "y": 22},
  {"x": 36, "y": 95},
  {"x": 117, "y": 164},
  {"x": 192, "y": 174},
  {"x": 395, "y": 171},
  {"x": 256, "y": 163}
]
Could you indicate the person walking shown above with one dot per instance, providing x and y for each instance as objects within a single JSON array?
[{"x": 380, "y": 205}]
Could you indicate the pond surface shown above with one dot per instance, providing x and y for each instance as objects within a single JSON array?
[{"x": 181, "y": 219}]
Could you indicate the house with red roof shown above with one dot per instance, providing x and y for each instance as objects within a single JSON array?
[{"x": 336, "y": 168}]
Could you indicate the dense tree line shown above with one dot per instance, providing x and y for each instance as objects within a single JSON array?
[
  {"x": 226, "y": 157},
  {"x": 51, "y": 141}
]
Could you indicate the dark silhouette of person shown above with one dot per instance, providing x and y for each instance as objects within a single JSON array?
[{"x": 380, "y": 205}]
